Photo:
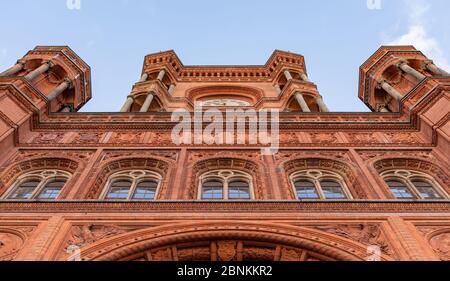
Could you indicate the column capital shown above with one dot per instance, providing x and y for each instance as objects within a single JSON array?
[
  {"x": 130, "y": 97},
  {"x": 402, "y": 62},
  {"x": 21, "y": 62},
  {"x": 49, "y": 63},
  {"x": 69, "y": 82},
  {"x": 380, "y": 83}
]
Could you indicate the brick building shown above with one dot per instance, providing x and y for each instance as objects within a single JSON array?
[{"x": 114, "y": 186}]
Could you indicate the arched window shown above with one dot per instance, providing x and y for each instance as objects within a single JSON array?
[
  {"x": 319, "y": 185},
  {"x": 413, "y": 185},
  {"x": 137, "y": 185},
  {"x": 225, "y": 185},
  {"x": 38, "y": 185}
]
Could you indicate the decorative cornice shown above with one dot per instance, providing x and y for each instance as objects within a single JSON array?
[
  {"x": 356, "y": 207},
  {"x": 262, "y": 73}
]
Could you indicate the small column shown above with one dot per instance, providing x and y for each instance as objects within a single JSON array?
[
  {"x": 66, "y": 84},
  {"x": 304, "y": 77},
  {"x": 14, "y": 69},
  {"x": 408, "y": 69},
  {"x": 322, "y": 106},
  {"x": 436, "y": 70},
  {"x": 382, "y": 108},
  {"x": 171, "y": 88},
  {"x": 38, "y": 71},
  {"x": 301, "y": 101},
  {"x": 390, "y": 90},
  {"x": 148, "y": 102},
  {"x": 161, "y": 75},
  {"x": 66, "y": 109},
  {"x": 278, "y": 88},
  {"x": 127, "y": 106},
  {"x": 144, "y": 78},
  {"x": 287, "y": 74}
]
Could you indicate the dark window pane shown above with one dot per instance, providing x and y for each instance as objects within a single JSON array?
[
  {"x": 24, "y": 190},
  {"x": 51, "y": 190},
  {"x": 426, "y": 190},
  {"x": 119, "y": 190},
  {"x": 306, "y": 190},
  {"x": 400, "y": 190},
  {"x": 238, "y": 190},
  {"x": 332, "y": 190},
  {"x": 212, "y": 190},
  {"x": 145, "y": 190}
]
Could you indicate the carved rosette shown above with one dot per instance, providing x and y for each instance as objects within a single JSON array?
[
  {"x": 11, "y": 242},
  {"x": 441, "y": 245}
]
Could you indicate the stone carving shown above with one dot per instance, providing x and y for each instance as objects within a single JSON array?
[
  {"x": 404, "y": 138},
  {"x": 226, "y": 250},
  {"x": 167, "y": 154},
  {"x": 324, "y": 138},
  {"x": 363, "y": 137},
  {"x": 126, "y": 138},
  {"x": 441, "y": 245},
  {"x": 87, "y": 234},
  {"x": 290, "y": 254},
  {"x": 368, "y": 234},
  {"x": 87, "y": 138},
  {"x": 10, "y": 245},
  {"x": 367, "y": 155},
  {"x": 48, "y": 138}
]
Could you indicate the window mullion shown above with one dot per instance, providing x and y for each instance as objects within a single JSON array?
[
  {"x": 319, "y": 189},
  {"x": 225, "y": 189},
  {"x": 413, "y": 189},
  {"x": 132, "y": 189},
  {"x": 38, "y": 188}
]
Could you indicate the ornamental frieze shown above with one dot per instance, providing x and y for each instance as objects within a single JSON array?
[{"x": 367, "y": 234}]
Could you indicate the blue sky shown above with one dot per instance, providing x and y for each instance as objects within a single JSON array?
[{"x": 336, "y": 37}]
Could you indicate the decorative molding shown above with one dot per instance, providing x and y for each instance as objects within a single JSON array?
[
  {"x": 367, "y": 234},
  {"x": 347, "y": 207}
]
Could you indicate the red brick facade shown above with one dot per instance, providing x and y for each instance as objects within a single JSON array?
[{"x": 44, "y": 139}]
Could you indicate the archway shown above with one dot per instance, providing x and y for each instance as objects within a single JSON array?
[{"x": 226, "y": 241}]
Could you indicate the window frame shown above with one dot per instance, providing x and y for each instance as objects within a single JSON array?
[
  {"x": 234, "y": 175},
  {"x": 44, "y": 178},
  {"x": 130, "y": 175},
  {"x": 317, "y": 179},
  {"x": 407, "y": 177}
]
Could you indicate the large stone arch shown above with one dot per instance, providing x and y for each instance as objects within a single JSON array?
[
  {"x": 239, "y": 164},
  {"x": 226, "y": 241},
  {"x": 349, "y": 174},
  {"x": 117, "y": 165},
  {"x": 12, "y": 172}
]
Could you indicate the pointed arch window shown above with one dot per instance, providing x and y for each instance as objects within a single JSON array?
[
  {"x": 38, "y": 185},
  {"x": 132, "y": 185},
  {"x": 412, "y": 185},
  {"x": 225, "y": 185},
  {"x": 319, "y": 185}
]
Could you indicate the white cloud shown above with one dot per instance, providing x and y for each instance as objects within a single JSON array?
[{"x": 417, "y": 34}]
